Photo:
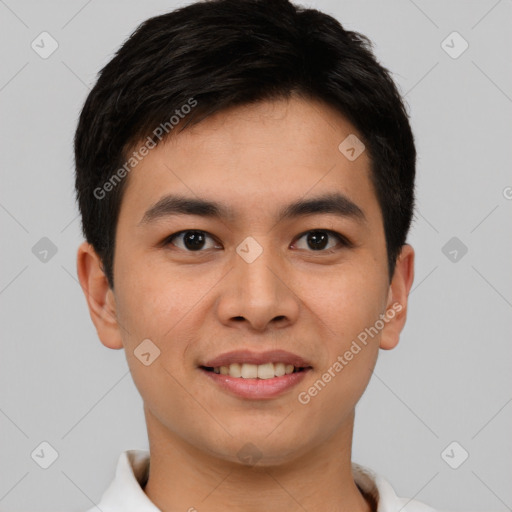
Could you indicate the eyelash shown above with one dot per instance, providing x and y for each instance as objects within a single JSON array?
[{"x": 342, "y": 240}]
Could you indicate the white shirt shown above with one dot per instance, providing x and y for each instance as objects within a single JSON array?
[{"x": 125, "y": 493}]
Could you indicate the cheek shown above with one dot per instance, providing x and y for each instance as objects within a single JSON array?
[
  {"x": 150, "y": 303},
  {"x": 343, "y": 307},
  {"x": 346, "y": 301},
  {"x": 154, "y": 307},
  {"x": 167, "y": 308}
]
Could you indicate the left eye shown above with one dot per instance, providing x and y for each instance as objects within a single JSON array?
[
  {"x": 191, "y": 240},
  {"x": 318, "y": 240}
]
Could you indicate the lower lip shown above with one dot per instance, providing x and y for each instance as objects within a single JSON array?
[{"x": 257, "y": 389}]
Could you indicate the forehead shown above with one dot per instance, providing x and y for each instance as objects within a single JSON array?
[{"x": 255, "y": 158}]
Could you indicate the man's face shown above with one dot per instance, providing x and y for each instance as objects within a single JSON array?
[{"x": 251, "y": 280}]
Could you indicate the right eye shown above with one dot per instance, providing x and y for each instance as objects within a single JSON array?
[{"x": 191, "y": 240}]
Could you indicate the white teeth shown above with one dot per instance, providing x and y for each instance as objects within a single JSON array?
[
  {"x": 266, "y": 371},
  {"x": 234, "y": 370},
  {"x": 253, "y": 371},
  {"x": 249, "y": 371},
  {"x": 279, "y": 369}
]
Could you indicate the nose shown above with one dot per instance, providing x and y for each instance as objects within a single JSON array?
[{"x": 258, "y": 294}]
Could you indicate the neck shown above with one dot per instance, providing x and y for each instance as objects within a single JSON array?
[{"x": 185, "y": 478}]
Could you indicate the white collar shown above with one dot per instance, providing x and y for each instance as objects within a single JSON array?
[{"x": 125, "y": 491}]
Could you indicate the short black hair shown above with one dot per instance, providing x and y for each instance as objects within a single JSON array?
[{"x": 211, "y": 55}]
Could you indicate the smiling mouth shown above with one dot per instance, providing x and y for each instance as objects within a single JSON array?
[{"x": 255, "y": 371}]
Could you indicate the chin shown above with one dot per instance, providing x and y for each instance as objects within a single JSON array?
[{"x": 259, "y": 449}]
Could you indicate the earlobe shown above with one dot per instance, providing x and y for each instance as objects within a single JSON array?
[
  {"x": 100, "y": 297},
  {"x": 396, "y": 309}
]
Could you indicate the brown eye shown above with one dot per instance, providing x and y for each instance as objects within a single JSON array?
[
  {"x": 191, "y": 240},
  {"x": 319, "y": 240}
]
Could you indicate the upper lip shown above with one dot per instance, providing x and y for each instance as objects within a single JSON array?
[{"x": 250, "y": 357}]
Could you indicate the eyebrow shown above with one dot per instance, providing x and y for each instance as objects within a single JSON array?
[{"x": 335, "y": 203}]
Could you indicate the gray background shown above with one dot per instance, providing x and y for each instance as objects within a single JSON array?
[{"x": 448, "y": 380}]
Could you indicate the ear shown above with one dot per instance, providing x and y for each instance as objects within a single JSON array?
[
  {"x": 397, "y": 298},
  {"x": 100, "y": 297}
]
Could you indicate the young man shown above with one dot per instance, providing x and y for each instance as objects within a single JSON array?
[{"x": 245, "y": 174}]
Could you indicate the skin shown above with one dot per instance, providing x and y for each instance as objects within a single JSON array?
[{"x": 196, "y": 305}]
